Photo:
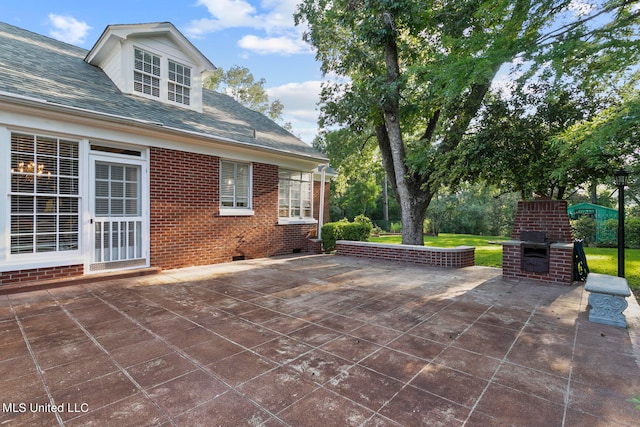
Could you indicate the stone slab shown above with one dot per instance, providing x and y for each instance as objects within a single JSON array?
[{"x": 606, "y": 284}]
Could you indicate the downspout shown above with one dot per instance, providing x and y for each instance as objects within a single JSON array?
[{"x": 322, "y": 169}]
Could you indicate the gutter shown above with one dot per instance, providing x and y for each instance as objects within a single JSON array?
[{"x": 43, "y": 104}]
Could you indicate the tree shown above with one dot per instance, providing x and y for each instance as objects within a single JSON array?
[
  {"x": 239, "y": 83},
  {"x": 608, "y": 141},
  {"x": 357, "y": 187},
  {"x": 417, "y": 73},
  {"x": 513, "y": 145}
]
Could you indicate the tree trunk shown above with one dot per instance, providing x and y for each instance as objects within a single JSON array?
[{"x": 412, "y": 199}]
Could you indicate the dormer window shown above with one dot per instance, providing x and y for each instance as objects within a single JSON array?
[
  {"x": 179, "y": 83},
  {"x": 153, "y": 61},
  {"x": 146, "y": 76}
]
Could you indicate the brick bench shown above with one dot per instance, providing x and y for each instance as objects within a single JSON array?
[{"x": 607, "y": 298}]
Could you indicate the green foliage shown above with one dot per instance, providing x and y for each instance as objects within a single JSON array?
[
  {"x": 361, "y": 219},
  {"x": 635, "y": 401},
  {"x": 631, "y": 233},
  {"x": 357, "y": 188},
  {"x": 360, "y": 230},
  {"x": 239, "y": 83},
  {"x": 610, "y": 230},
  {"x": 473, "y": 209},
  {"x": 395, "y": 227},
  {"x": 607, "y": 141},
  {"x": 513, "y": 146},
  {"x": 584, "y": 228},
  {"x": 416, "y": 74}
]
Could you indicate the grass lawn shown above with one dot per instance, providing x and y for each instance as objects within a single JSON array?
[{"x": 488, "y": 253}]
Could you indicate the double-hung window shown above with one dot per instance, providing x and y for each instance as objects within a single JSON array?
[
  {"x": 179, "y": 83},
  {"x": 235, "y": 188},
  {"x": 295, "y": 194},
  {"x": 146, "y": 75},
  {"x": 44, "y": 197},
  {"x": 161, "y": 77}
]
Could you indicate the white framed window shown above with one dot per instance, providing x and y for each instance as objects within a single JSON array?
[
  {"x": 44, "y": 196},
  {"x": 235, "y": 188},
  {"x": 179, "y": 89},
  {"x": 295, "y": 195},
  {"x": 146, "y": 74}
]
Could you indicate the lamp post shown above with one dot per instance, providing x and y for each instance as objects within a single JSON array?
[{"x": 621, "y": 177}]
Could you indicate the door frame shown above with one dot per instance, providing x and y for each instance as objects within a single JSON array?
[{"x": 142, "y": 161}]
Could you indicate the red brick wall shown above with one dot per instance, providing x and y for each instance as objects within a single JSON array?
[
  {"x": 463, "y": 256},
  {"x": 548, "y": 216},
  {"x": 186, "y": 229},
  {"x": 560, "y": 263},
  {"x": 37, "y": 274}
]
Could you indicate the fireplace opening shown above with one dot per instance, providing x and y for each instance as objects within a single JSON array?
[{"x": 535, "y": 252}]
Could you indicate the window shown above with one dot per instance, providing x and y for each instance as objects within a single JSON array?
[
  {"x": 44, "y": 197},
  {"x": 294, "y": 194},
  {"x": 179, "y": 83},
  {"x": 146, "y": 76},
  {"x": 235, "y": 185}
]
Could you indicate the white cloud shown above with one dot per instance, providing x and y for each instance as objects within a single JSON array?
[
  {"x": 68, "y": 29},
  {"x": 224, "y": 14},
  {"x": 300, "y": 102},
  {"x": 273, "y": 18},
  {"x": 268, "y": 45}
]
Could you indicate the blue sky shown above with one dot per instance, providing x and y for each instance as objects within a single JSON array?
[{"x": 257, "y": 34}]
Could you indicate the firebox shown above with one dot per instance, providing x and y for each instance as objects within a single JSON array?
[{"x": 535, "y": 252}]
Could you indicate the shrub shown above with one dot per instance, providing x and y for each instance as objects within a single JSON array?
[
  {"x": 608, "y": 233},
  {"x": 395, "y": 227},
  {"x": 359, "y": 230},
  {"x": 584, "y": 228},
  {"x": 632, "y": 232},
  {"x": 362, "y": 219}
]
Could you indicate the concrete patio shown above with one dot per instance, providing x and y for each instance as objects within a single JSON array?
[{"x": 315, "y": 340}]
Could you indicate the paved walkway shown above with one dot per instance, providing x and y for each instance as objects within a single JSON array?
[{"x": 315, "y": 341}]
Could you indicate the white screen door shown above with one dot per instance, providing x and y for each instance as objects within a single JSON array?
[{"x": 118, "y": 222}]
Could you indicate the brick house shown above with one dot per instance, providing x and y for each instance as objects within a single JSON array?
[{"x": 117, "y": 158}]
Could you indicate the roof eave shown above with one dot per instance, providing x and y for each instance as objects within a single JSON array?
[{"x": 42, "y": 105}]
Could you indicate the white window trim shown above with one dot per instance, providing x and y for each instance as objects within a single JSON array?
[
  {"x": 39, "y": 259},
  {"x": 151, "y": 75},
  {"x": 164, "y": 78},
  {"x": 296, "y": 220},
  {"x": 293, "y": 221},
  {"x": 236, "y": 212},
  {"x": 239, "y": 211},
  {"x": 182, "y": 86}
]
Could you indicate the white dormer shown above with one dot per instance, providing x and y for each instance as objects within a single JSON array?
[{"x": 154, "y": 61}]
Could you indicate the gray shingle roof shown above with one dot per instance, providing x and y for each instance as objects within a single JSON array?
[{"x": 37, "y": 66}]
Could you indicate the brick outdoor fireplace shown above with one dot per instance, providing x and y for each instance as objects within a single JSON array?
[{"x": 541, "y": 245}]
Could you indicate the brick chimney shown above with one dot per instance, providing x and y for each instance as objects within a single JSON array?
[{"x": 547, "y": 216}]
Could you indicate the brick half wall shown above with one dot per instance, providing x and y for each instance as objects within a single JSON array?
[
  {"x": 38, "y": 274},
  {"x": 461, "y": 256}
]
